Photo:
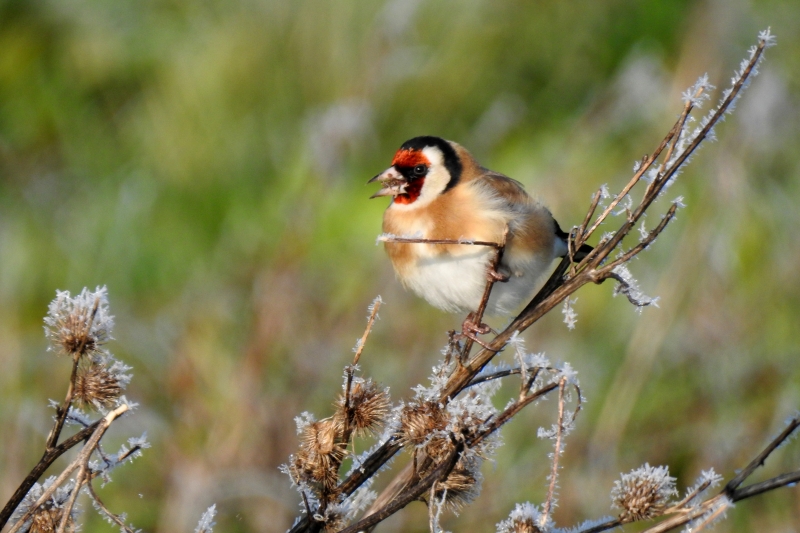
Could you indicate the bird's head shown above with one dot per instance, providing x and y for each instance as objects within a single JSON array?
[{"x": 422, "y": 169}]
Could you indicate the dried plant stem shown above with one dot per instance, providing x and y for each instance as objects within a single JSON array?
[
  {"x": 63, "y": 410},
  {"x": 409, "y": 494},
  {"x": 734, "y": 483},
  {"x": 510, "y": 412},
  {"x": 67, "y": 510},
  {"x": 82, "y": 459},
  {"x": 415, "y": 240},
  {"x": 551, "y": 489},
  {"x": 44, "y": 463},
  {"x": 487, "y": 291},
  {"x": 100, "y": 505},
  {"x": 376, "y": 305}
]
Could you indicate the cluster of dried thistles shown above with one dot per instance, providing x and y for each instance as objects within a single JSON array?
[{"x": 363, "y": 408}]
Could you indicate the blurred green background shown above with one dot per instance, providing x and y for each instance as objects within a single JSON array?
[{"x": 207, "y": 160}]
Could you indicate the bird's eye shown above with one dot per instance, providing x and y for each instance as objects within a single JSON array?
[{"x": 420, "y": 170}]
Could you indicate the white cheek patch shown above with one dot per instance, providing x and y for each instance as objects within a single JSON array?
[{"x": 436, "y": 181}]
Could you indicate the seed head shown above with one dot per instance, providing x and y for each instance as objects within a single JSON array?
[
  {"x": 643, "y": 493},
  {"x": 366, "y": 408},
  {"x": 95, "y": 385},
  {"x": 80, "y": 325},
  {"x": 47, "y": 518},
  {"x": 461, "y": 486},
  {"x": 525, "y": 518},
  {"x": 419, "y": 419},
  {"x": 320, "y": 455}
]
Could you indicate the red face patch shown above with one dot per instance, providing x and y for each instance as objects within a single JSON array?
[{"x": 409, "y": 159}]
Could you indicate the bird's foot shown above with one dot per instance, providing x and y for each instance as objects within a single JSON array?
[
  {"x": 471, "y": 328},
  {"x": 495, "y": 275}
]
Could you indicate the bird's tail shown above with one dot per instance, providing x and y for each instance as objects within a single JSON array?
[{"x": 581, "y": 252}]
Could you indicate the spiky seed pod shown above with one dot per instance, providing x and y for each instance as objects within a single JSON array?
[
  {"x": 525, "y": 518},
  {"x": 96, "y": 386},
  {"x": 80, "y": 325},
  {"x": 320, "y": 455},
  {"x": 368, "y": 406},
  {"x": 47, "y": 518},
  {"x": 419, "y": 419},
  {"x": 525, "y": 525},
  {"x": 461, "y": 486},
  {"x": 643, "y": 493}
]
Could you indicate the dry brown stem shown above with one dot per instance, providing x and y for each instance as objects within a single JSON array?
[{"x": 80, "y": 462}]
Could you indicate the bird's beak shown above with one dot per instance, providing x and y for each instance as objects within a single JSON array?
[{"x": 393, "y": 183}]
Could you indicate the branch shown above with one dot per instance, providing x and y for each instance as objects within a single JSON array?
[{"x": 83, "y": 457}]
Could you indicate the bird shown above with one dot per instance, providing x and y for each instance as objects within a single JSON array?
[{"x": 440, "y": 192}]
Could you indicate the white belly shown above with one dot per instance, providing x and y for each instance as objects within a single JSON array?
[{"x": 455, "y": 283}]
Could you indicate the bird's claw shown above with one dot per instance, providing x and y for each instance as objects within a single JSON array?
[
  {"x": 471, "y": 328},
  {"x": 494, "y": 276}
]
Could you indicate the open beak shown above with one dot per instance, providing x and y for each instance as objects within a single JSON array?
[{"x": 393, "y": 183}]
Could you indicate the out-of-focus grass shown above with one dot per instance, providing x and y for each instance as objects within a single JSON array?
[{"x": 206, "y": 161}]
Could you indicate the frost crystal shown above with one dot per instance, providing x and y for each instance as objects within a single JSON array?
[
  {"x": 376, "y": 302},
  {"x": 570, "y": 316},
  {"x": 304, "y": 420},
  {"x": 643, "y": 233},
  {"x": 206, "y": 523},
  {"x": 691, "y": 96},
  {"x": 708, "y": 480},
  {"x": 630, "y": 288},
  {"x": 769, "y": 39}
]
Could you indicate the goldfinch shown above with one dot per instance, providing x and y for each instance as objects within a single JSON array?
[{"x": 439, "y": 191}]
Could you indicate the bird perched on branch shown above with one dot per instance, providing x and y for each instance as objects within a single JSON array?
[{"x": 440, "y": 192}]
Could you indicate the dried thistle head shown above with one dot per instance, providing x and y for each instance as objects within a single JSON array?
[
  {"x": 419, "y": 419},
  {"x": 95, "y": 385},
  {"x": 320, "y": 455},
  {"x": 47, "y": 518},
  {"x": 525, "y": 518},
  {"x": 81, "y": 325},
  {"x": 366, "y": 407},
  {"x": 643, "y": 493},
  {"x": 461, "y": 486}
]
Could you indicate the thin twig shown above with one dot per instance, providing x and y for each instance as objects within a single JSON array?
[
  {"x": 734, "y": 483},
  {"x": 376, "y": 304},
  {"x": 487, "y": 291},
  {"x": 67, "y": 509},
  {"x": 100, "y": 505},
  {"x": 44, "y": 463},
  {"x": 551, "y": 490},
  {"x": 509, "y": 413},
  {"x": 85, "y": 453},
  {"x": 415, "y": 240},
  {"x": 410, "y": 494}
]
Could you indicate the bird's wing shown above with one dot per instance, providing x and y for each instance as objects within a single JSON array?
[{"x": 511, "y": 193}]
